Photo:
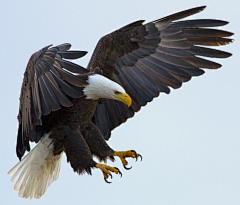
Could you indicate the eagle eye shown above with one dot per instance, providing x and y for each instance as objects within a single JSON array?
[{"x": 116, "y": 92}]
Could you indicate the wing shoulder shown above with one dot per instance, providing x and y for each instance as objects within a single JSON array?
[{"x": 115, "y": 45}]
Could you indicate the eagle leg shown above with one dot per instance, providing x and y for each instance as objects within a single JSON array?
[
  {"x": 97, "y": 143},
  {"x": 123, "y": 154},
  {"x": 106, "y": 170}
]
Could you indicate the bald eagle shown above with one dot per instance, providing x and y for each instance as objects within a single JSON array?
[{"x": 67, "y": 108}]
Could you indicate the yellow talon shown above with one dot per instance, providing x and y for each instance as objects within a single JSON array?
[
  {"x": 106, "y": 171},
  {"x": 123, "y": 154}
]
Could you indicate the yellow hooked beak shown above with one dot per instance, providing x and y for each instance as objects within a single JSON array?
[{"x": 125, "y": 98}]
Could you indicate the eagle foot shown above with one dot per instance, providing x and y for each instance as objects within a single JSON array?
[
  {"x": 123, "y": 154},
  {"x": 106, "y": 170}
]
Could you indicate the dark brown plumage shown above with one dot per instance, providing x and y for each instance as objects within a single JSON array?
[
  {"x": 148, "y": 59},
  {"x": 145, "y": 59},
  {"x": 43, "y": 90}
]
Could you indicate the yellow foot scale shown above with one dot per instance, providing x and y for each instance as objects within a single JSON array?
[
  {"x": 106, "y": 170},
  {"x": 123, "y": 154}
]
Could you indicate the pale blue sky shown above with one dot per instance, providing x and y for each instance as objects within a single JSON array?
[{"x": 189, "y": 139}]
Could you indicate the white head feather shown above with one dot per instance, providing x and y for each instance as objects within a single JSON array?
[{"x": 101, "y": 87}]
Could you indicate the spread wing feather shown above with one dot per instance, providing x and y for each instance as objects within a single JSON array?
[
  {"x": 47, "y": 83},
  {"x": 147, "y": 59}
]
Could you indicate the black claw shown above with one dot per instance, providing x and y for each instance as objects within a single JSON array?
[
  {"x": 107, "y": 181},
  {"x": 137, "y": 155},
  {"x": 110, "y": 175},
  {"x": 140, "y": 156},
  {"x": 119, "y": 172},
  {"x": 134, "y": 152},
  {"x": 127, "y": 167}
]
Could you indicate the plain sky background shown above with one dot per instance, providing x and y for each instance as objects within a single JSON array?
[{"x": 189, "y": 139}]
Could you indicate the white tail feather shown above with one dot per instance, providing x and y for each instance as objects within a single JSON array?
[{"x": 37, "y": 170}]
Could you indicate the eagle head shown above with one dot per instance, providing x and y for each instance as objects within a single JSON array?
[{"x": 102, "y": 87}]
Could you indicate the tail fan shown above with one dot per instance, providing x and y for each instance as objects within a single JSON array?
[{"x": 37, "y": 170}]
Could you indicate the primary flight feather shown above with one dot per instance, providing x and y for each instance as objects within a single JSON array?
[{"x": 67, "y": 108}]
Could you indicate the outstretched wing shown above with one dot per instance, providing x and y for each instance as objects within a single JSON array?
[
  {"x": 148, "y": 59},
  {"x": 47, "y": 82}
]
